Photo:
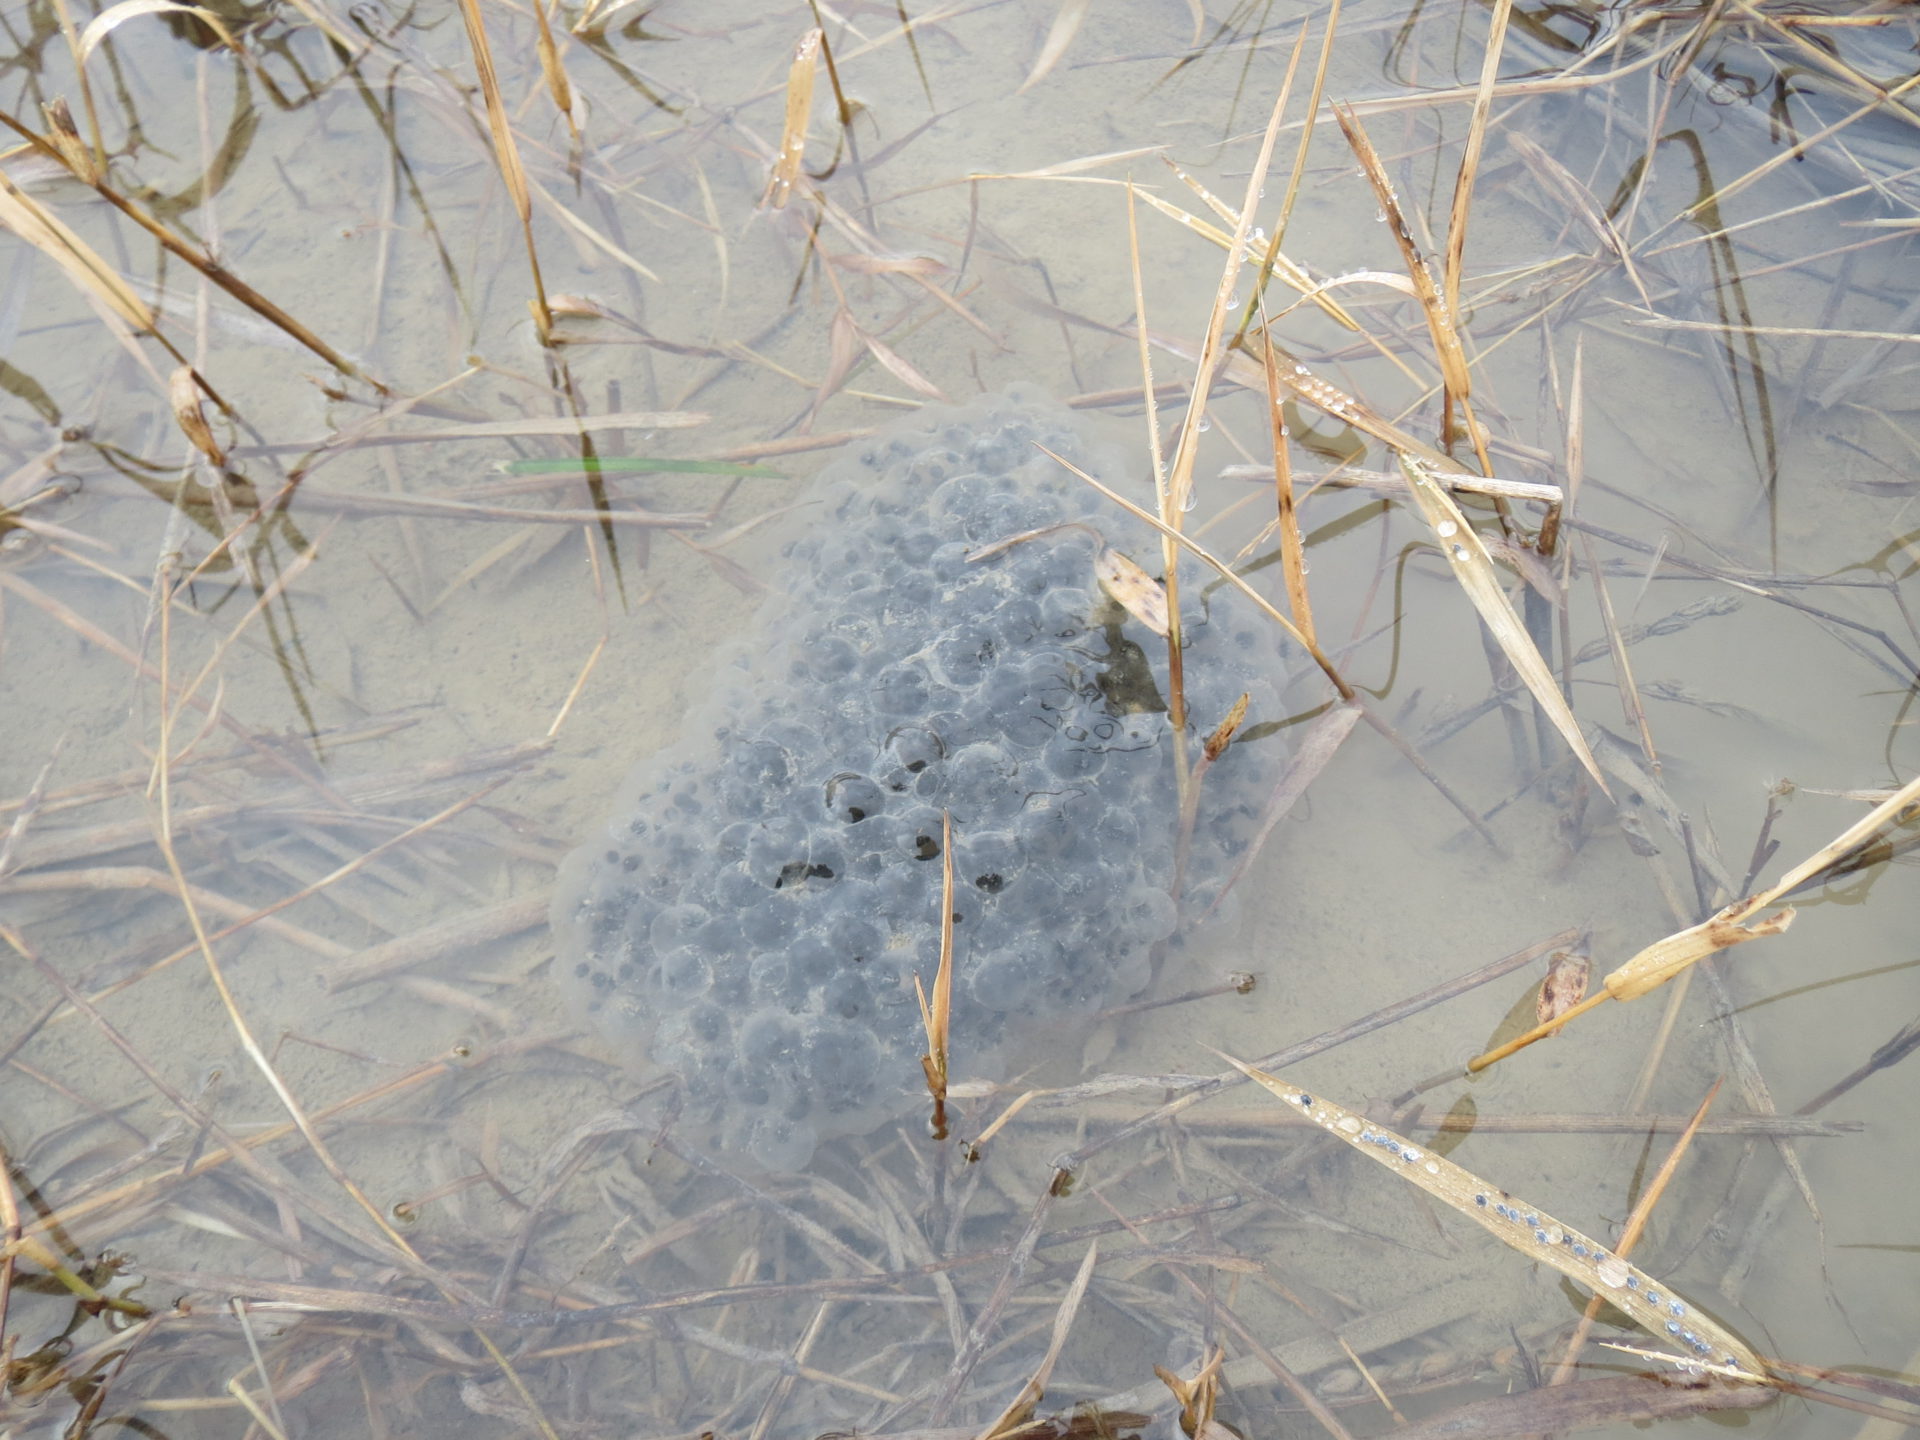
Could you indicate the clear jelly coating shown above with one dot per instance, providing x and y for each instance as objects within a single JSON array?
[{"x": 755, "y": 911}]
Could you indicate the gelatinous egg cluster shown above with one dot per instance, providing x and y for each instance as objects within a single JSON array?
[{"x": 755, "y": 913}]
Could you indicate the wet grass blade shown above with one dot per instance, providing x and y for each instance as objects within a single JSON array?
[
  {"x": 793, "y": 134},
  {"x": 1293, "y": 550},
  {"x": 1447, "y": 349},
  {"x": 1470, "y": 157},
  {"x": 1649, "y": 1302},
  {"x": 937, "y": 1015},
  {"x": 1066, "y": 25},
  {"x": 1474, "y": 569},
  {"x": 194, "y": 256},
  {"x": 554, "y": 72},
  {"x": 1278, "y": 266}
]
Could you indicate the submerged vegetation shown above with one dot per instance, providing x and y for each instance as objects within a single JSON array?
[{"x": 401, "y": 408}]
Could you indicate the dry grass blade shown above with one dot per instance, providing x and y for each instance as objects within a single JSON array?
[
  {"x": 553, "y": 71},
  {"x": 1330, "y": 399},
  {"x": 1651, "y": 1304},
  {"x": 1187, "y": 449},
  {"x": 1636, "y": 712},
  {"x": 1439, "y": 315},
  {"x": 1474, "y": 569},
  {"x": 1197, "y": 1396},
  {"x": 1293, "y": 550},
  {"x": 937, "y": 1017},
  {"x": 793, "y": 134},
  {"x": 1859, "y": 835},
  {"x": 1066, "y": 25},
  {"x": 1226, "y": 571},
  {"x": 1275, "y": 265},
  {"x": 243, "y": 1032},
  {"x": 1470, "y": 157},
  {"x": 1034, "y": 1391},
  {"x": 193, "y": 256},
  {"x": 1551, "y": 173},
  {"x": 116, "y": 15},
  {"x": 506, "y": 154},
  {"x": 1315, "y": 751},
  {"x": 1156, "y": 456},
  {"x": 1732, "y": 925},
  {"x": 1307, "y": 129},
  {"x": 42, "y": 229},
  {"x": 1636, "y": 1226},
  {"x": 896, "y": 365}
]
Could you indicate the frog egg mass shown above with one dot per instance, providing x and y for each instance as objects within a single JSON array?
[{"x": 754, "y": 912}]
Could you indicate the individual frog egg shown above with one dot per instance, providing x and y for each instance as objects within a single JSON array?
[
  {"x": 989, "y": 860},
  {"x": 676, "y": 925},
  {"x": 954, "y": 502},
  {"x": 900, "y": 689},
  {"x": 967, "y": 654},
  {"x": 684, "y": 975},
  {"x": 852, "y": 798},
  {"x": 981, "y": 785},
  {"x": 1072, "y": 756},
  {"x": 1147, "y": 915}
]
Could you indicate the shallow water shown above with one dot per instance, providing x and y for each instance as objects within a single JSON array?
[{"x": 433, "y": 705}]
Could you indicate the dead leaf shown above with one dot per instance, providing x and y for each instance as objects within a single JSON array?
[
  {"x": 183, "y": 392},
  {"x": 1224, "y": 733},
  {"x": 1130, "y": 587},
  {"x": 1565, "y": 985}
]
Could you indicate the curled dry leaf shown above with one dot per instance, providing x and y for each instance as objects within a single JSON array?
[
  {"x": 1224, "y": 733},
  {"x": 1198, "y": 1396},
  {"x": 183, "y": 393},
  {"x": 1130, "y": 587},
  {"x": 1565, "y": 985}
]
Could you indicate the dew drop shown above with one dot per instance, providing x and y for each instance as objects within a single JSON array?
[{"x": 1446, "y": 528}]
